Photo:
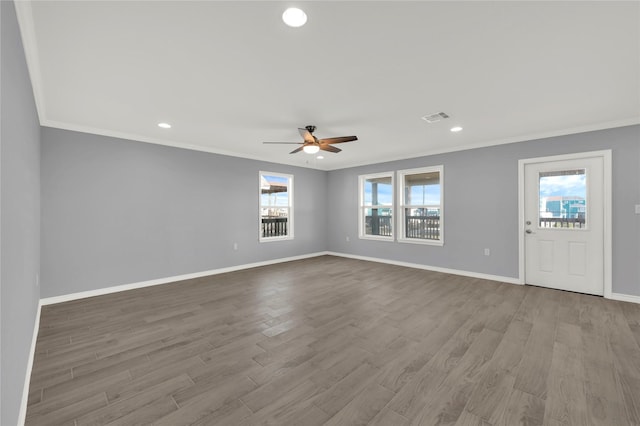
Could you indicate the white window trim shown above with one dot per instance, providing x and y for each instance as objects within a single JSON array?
[
  {"x": 402, "y": 205},
  {"x": 361, "y": 207},
  {"x": 290, "y": 227}
]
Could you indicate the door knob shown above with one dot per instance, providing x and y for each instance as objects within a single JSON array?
[{"x": 529, "y": 231}]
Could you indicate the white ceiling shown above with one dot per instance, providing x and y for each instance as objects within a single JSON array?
[{"x": 229, "y": 75}]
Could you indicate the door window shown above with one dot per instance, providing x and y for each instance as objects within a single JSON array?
[{"x": 563, "y": 199}]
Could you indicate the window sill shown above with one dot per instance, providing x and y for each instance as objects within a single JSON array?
[
  {"x": 375, "y": 238},
  {"x": 421, "y": 242},
  {"x": 273, "y": 239}
]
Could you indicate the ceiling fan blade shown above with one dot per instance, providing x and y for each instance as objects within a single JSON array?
[
  {"x": 330, "y": 148},
  {"x": 308, "y": 137},
  {"x": 287, "y": 143},
  {"x": 296, "y": 150},
  {"x": 340, "y": 139}
]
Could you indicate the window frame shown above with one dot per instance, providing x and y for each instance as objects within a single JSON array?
[
  {"x": 361, "y": 207},
  {"x": 402, "y": 206},
  {"x": 289, "y": 207}
]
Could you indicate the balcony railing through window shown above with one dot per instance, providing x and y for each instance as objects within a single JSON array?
[
  {"x": 274, "y": 227},
  {"x": 419, "y": 227},
  {"x": 378, "y": 225},
  {"x": 422, "y": 227},
  {"x": 562, "y": 222}
]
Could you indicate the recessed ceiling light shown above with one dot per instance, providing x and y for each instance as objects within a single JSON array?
[
  {"x": 294, "y": 17},
  {"x": 320, "y": 157},
  {"x": 456, "y": 129},
  {"x": 164, "y": 125}
]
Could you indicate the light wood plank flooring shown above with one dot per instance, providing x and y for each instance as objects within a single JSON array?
[{"x": 332, "y": 341}]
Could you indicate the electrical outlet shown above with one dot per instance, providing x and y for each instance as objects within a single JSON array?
[
  {"x": 637, "y": 208},
  {"x": 347, "y": 238},
  {"x": 235, "y": 246},
  {"x": 487, "y": 252}
]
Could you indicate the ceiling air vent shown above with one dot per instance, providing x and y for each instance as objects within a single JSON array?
[{"x": 434, "y": 118}]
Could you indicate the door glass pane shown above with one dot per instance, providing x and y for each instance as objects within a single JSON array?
[
  {"x": 563, "y": 199},
  {"x": 378, "y": 191}
]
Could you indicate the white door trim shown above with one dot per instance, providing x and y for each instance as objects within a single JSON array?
[{"x": 606, "y": 160}]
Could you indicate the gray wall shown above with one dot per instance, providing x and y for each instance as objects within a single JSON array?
[
  {"x": 481, "y": 206},
  {"x": 20, "y": 214},
  {"x": 117, "y": 212}
]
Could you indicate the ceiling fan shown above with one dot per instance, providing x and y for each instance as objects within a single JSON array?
[{"x": 311, "y": 144}]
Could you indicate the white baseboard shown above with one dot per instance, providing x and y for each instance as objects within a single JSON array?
[
  {"x": 166, "y": 280},
  {"x": 625, "y": 297},
  {"x": 499, "y": 278},
  {"x": 613, "y": 296},
  {"x": 22, "y": 416}
]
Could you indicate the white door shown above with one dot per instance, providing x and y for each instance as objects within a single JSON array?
[{"x": 564, "y": 224}]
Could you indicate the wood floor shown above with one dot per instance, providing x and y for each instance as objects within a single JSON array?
[{"x": 332, "y": 341}]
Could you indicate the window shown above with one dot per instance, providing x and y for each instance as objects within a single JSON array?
[
  {"x": 276, "y": 206},
  {"x": 421, "y": 215},
  {"x": 563, "y": 199},
  {"x": 376, "y": 206}
]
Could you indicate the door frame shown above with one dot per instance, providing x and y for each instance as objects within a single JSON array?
[{"x": 607, "y": 200}]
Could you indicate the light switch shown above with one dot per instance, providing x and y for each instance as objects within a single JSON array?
[{"x": 637, "y": 208}]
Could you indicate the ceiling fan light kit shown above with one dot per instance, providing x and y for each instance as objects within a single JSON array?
[
  {"x": 312, "y": 144},
  {"x": 294, "y": 17}
]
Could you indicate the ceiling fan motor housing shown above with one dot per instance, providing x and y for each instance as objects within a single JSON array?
[{"x": 312, "y": 144}]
